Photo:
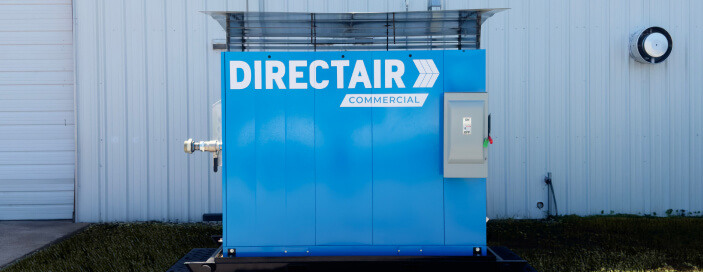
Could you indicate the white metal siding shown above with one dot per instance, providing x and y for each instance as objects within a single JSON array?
[
  {"x": 37, "y": 154},
  {"x": 618, "y": 136}
]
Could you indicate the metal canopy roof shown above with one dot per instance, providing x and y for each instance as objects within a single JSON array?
[{"x": 438, "y": 29}]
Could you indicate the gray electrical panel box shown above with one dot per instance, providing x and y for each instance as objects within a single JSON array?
[{"x": 465, "y": 130}]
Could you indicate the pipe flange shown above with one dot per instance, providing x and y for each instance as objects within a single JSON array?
[{"x": 189, "y": 146}]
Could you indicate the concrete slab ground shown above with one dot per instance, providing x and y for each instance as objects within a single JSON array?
[{"x": 19, "y": 238}]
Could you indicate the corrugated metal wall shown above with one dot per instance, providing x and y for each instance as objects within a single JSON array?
[{"x": 618, "y": 136}]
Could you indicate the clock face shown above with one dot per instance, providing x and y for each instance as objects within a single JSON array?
[{"x": 656, "y": 44}]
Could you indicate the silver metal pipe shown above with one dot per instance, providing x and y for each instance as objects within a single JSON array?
[{"x": 190, "y": 146}]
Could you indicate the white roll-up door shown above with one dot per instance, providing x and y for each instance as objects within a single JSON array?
[{"x": 37, "y": 145}]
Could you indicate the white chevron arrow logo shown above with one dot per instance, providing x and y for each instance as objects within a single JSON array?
[{"x": 428, "y": 73}]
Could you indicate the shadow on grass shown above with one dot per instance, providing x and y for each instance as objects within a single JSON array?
[
  {"x": 604, "y": 243},
  {"x": 600, "y": 243},
  {"x": 121, "y": 247}
]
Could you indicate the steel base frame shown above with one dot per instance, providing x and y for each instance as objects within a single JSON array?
[{"x": 497, "y": 259}]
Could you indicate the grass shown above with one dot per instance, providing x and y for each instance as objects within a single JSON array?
[
  {"x": 604, "y": 243},
  {"x": 121, "y": 247},
  {"x": 600, "y": 243}
]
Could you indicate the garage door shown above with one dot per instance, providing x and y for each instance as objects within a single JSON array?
[{"x": 37, "y": 158}]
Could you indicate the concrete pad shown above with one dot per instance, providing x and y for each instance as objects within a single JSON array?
[{"x": 19, "y": 238}]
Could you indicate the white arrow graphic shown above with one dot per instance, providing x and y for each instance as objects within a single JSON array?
[{"x": 428, "y": 73}]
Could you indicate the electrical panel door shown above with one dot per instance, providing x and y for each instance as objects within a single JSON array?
[{"x": 465, "y": 131}]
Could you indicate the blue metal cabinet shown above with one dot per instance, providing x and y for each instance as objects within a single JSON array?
[{"x": 341, "y": 153}]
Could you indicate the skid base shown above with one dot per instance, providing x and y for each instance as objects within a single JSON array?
[{"x": 210, "y": 259}]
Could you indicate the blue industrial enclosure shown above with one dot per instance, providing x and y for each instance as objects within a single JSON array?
[{"x": 345, "y": 153}]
